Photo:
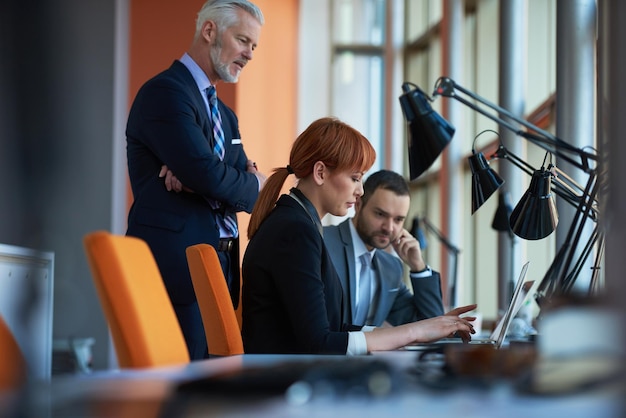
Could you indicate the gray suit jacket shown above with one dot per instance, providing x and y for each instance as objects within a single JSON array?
[{"x": 396, "y": 303}]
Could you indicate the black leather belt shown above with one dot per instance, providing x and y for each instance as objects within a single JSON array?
[{"x": 225, "y": 244}]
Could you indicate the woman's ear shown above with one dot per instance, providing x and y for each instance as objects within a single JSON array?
[{"x": 319, "y": 173}]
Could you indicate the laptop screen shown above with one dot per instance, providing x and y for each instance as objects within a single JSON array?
[{"x": 519, "y": 295}]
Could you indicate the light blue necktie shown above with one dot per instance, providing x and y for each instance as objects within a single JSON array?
[
  {"x": 227, "y": 222},
  {"x": 365, "y": 279}
]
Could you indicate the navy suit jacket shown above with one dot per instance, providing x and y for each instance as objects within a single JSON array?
[
  {"x": 396, "y": 303},
  {"x": 169, "y": 124},
  {"x": 292, "y": 297}
]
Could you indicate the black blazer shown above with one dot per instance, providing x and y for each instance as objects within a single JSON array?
[
  {"x": 292, "y": 297},
  {"x": 396, "y": 303},
  {"x": 169, "y": 124}
]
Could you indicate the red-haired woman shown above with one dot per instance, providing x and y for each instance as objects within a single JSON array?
[{"x": 292, "y": 297}]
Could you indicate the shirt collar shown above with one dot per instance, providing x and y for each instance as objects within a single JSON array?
[
  {"x": 357, "y": 242},
  {"x": 198, "y": 75}
]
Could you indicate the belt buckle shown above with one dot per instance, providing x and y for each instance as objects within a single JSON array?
[{"x": 225, "y": 244}]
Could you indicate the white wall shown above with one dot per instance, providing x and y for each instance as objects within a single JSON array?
[{"x": 314, "y": 62}]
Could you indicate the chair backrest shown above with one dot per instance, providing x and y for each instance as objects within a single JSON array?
[
  {"x": 221, "y": 326},
  {"x": 13, "y": 369},
  {"x": 143, "y": 324}
]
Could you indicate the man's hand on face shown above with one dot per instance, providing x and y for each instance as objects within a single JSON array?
[{"x": 408, "y": 249}]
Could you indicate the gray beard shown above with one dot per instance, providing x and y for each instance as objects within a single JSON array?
[{"x": 221, "y": 68}]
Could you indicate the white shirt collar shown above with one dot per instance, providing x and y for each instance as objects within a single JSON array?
[
  {"x": 202, "y": 80},
  {"x": 357, "y": 242}
]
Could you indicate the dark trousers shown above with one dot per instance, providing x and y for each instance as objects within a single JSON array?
[
  {"x": 191, "y": 325},
  {"x": 230, "y": 267}
]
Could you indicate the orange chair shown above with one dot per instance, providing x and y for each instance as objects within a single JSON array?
[
  {"x": 143, "y": 324},
  {"x": 221, "y": 326},
  {"x": 12, "y": 363}
]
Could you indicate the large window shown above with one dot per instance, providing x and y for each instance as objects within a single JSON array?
[
  {"x": 358, "y": 68},
  {"x": 367, "y": 63},
  {"x": 425, "y": 60}
]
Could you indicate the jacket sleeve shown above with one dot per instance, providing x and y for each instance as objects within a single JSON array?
[
  {"x": 168, "y": 125},
  {"x": 424, "y": 302}
]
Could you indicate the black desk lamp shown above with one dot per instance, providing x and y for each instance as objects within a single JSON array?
[
  {"x": 500, "y": 220},
  {"x": 430, "y": 133},
  {"x": 485, "y": 181},
  {"x": 535, "y": 216}
]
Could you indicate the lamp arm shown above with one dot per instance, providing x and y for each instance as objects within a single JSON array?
[
  {"x": 454, "y": 251},
  {"x": 447, "y": 87},
  {"x": 564, "y": 189},
  {"x": 505, "y": 154},
  {"x": 578, "y": 193},
  {"x": 451, "y": 247}
]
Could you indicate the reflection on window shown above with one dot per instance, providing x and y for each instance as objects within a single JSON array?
[
  {"x": 358, "y": 68},
  {"x": 358, "y": 96},
  {"x": 359, "y": 22}
]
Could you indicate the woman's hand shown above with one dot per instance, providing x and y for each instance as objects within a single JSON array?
[
  {"x": 424, "y": 331},
  {"x": 465, "y": 336},
  {"x": 433, "y": 329}
]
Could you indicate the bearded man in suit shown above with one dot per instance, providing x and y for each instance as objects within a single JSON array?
[
  {"x": 376, "y": 226},
  {"x": 187, "y": 167}
]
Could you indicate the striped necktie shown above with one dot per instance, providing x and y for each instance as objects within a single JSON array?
[
  {"x": 228, "y": 221},
  {"x": 216, "y": 119}
]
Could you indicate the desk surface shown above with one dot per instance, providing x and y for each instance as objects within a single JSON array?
[{"x": 153, "y": 393}]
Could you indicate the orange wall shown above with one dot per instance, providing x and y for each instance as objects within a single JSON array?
[
  {"x": 264, "y": 99},
  {"x": 267, "y": 92}
]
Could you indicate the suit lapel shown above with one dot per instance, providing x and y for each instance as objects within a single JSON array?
[
  {"x": 348, "y": 253},
  {"x": 226, "y": 128},
  {"x": 207, "y": 127}
]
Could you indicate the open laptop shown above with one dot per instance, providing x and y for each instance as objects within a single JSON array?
[{"x": 499, "y": 333}]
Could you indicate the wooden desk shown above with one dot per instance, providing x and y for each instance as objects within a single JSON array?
[{"x": 152, "y": 393}]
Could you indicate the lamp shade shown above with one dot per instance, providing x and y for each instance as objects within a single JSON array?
[
  {"x": 485, "y": 181},
  {"x": 429, "y": 133},
  {"x": 418, "y": 233},
  {"x": 501, "y": 218},
  {"x": 535, "y": 216}
]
